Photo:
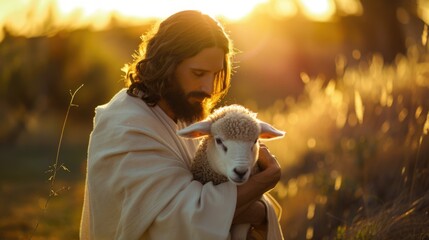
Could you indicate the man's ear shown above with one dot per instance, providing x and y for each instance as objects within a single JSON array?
[
  {"x": 196, "y": 130},
  {"x": 269, "y": 132}
]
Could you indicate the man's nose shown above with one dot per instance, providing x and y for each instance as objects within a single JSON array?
[{"x": 207, "y": 84}]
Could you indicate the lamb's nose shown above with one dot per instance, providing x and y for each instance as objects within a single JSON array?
[{"x": 240, "y": 172}]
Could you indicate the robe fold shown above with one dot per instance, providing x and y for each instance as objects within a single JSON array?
[{"x": 139, "y": 184}]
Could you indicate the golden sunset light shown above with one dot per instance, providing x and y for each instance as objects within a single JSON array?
[
  {"x": 347, "y": 80},
  {"x": 232, "y": 10},
  {"x": 45, "y": 17},
  {"x": 318, "y": 10},
  {"x": 30, "y": 17}
]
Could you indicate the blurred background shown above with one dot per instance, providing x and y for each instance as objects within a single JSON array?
[{"x": 348, "y": 80}]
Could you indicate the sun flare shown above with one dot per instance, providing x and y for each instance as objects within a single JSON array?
[
  {"x": 318, "y": 10},
  {"x": 43, "y": 17},
  {"x": 29, "y": 17},
  {"x": 230, "y": 9}
]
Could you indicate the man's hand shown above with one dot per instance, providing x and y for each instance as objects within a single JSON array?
[
  {"x": 255, "y": 214},
  {"x": 269, "y": 167},
  {"x": 250, "y": 192}
]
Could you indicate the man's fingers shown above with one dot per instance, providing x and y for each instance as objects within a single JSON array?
[
  {"x": 266, "y": 159},
  {"x": 264, "y": 152}
]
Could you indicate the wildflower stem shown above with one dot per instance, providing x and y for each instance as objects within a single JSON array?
[{"x": 56, "y": 165}]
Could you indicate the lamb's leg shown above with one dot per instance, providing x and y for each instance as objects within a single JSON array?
[{"x": 239, "y": 231}]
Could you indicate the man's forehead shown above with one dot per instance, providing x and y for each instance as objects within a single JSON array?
[{"x": 208, "y": 59}]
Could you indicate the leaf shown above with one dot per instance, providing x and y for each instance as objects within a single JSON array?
[
  {"x": 53, "y": 193},
  {"x": 65, "y": 168}
]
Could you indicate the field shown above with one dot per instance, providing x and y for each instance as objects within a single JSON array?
[
  {"x": 355, "y": 160},
  {"x": 351, "y": 93},
  {"x": 356, "y": 155},
  {"x": 25, "y": 188}
]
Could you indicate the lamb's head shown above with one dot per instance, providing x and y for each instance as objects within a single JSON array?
[{"x": 233, "y": 134}]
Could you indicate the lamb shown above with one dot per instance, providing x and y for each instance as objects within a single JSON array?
[{"x": 229, "y": 148}]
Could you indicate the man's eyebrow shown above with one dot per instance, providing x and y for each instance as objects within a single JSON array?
[
  {"x": 199, "y": 69},
  {"x": 205, "y": 70}
]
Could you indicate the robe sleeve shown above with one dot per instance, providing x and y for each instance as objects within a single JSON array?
[{"x": 140, "y": 188}]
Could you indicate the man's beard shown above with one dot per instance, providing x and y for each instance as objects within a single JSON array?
[{"x": 182, "y": 108}]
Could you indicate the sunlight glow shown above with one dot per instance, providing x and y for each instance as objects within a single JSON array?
[
  {"x": 338, "y": 181},
  {"x": 318, "y": 10},
  {"x": 359, "y": 108},
  {"x": 284, "y": 8},
  {"x": 43, "y": 17},
  {"x": 310, "y": 211},
  {"x": 309, "y": 234},
  {"x": 231, "y": 10},
  {"x": 349, "y": 7}
]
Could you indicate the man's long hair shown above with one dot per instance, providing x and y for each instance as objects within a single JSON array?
[{"x": 182, "y": 35}]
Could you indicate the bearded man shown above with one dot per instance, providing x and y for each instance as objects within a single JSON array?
[{"x": 139, "y": 184}]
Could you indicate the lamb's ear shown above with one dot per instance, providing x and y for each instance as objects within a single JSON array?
[
  {"x": 196, "y": 130},
  {"x": 269, "y": 132}
]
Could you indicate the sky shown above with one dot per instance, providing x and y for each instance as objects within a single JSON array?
[
  {"x": 30, "y": 17},
  {"x": 42, "y": 17}
]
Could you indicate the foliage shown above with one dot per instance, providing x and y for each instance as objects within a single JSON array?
[
  {"x": 354, "y": 158},
  {"x": 355, "y": 154}
]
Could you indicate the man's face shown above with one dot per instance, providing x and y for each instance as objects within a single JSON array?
[{"x": 193, "y": 83}]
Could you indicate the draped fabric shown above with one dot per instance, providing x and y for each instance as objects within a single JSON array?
[{"x": 138, "y": 183}]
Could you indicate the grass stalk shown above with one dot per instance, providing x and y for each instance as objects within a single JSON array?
[{"x": 56, "y": 166}]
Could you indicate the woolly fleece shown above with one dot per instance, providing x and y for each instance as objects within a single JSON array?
[{"x": 233, "y": 122}]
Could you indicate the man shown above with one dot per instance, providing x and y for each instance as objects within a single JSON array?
[{"x": 139, "y": 185}]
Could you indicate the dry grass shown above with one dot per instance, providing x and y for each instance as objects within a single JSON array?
[
  {"x": 22, "y": 208},
  {"x": 355, "y": 158}
]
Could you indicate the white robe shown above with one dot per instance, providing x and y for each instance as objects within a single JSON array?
[{"x": 138, "y": 183}]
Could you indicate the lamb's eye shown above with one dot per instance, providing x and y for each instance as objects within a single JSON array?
[{"x": 219, "y": 142}]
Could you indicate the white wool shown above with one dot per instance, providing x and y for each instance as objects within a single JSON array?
[{"x": 230, "y": 148}]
